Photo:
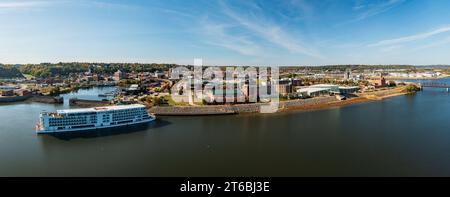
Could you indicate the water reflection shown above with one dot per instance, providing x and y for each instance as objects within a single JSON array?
[
  {"x": 67, "y": 136},
  {"x": 400, "y": 136}
]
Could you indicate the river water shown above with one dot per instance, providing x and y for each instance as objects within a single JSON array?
[
  {"x": 402, "y": 136},
  {"x": 90, "y": 94}
]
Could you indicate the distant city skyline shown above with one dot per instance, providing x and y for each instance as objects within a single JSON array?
[{"x": 284, "y": 33}]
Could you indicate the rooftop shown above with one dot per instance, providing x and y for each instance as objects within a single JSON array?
[
  {"x": 96, "y": 109},
  {"x": 312, "y": 89},
  {"x": 348, "y": 87},
  {"x": 8, "y": 87},
  {"x": 324, "y": 85}
]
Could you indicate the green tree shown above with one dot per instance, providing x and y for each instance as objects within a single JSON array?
[
  {"x": 411, "y": 88},
  {"x": 392, "y": 84}
]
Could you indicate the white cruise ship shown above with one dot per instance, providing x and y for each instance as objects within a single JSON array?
[{"x": 92, "y": 118}]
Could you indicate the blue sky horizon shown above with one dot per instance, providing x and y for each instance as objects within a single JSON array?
[{"x": 226, "y": 32}]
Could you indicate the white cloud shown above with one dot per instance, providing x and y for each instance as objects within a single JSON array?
[
  {"x": 369, "y": 10},
  {"x": 109, "y": 5},
  {"x": 270, "y": 32},
  {"x": 303, "y": 9},
  {"x": 220, "y": 37},
  {"x": 411, "y": 38},
  {"x": 391, "y": 48},
  {"x": 359, "y": 4},
  {"x": 23, "y": 4},
  {"x": 439, "y": 43},
  {"x": 48, "y": 3},
  {"x": 378, "y": 9}
]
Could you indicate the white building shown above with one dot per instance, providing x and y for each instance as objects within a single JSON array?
[
  {"x": 313, "y": 92},
  {"x": 159, "y": 74},
  {"x": 332, "y": 88}
]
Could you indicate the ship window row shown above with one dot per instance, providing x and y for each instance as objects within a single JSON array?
[
  {"x": 69, "y": 119},
  {"x": 123, "y": 117},
  {"x": 66, "y": 122},
  {"x": 82, "y": 114},
  {"x": 129, "y": 110},
  {"x": 126, "y": 112},
  {"x": 127, "y": 117},
  {"x": 73, "y": 123}
]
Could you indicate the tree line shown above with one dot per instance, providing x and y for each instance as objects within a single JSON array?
[
  {"x": 9, "y": 71},
  {"x": 44, "y": 70},
  {"x": 345, "y": 67}
]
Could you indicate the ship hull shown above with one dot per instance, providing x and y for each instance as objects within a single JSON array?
[{"x": 90, "y": 129}]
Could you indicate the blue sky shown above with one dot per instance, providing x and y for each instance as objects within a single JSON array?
[{"x": 235, "y": 32}]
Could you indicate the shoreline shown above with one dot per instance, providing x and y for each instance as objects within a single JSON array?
[
  {"x": 326, "y": 105},
  {"x": 351, "y": 101},
  {"x": 317, "y": 103},
  {"x": 284, "y": 106},
  {"x": 361, "y": 98}
]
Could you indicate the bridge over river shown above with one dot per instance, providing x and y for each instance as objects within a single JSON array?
[{"x": 435, "y": 85}]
